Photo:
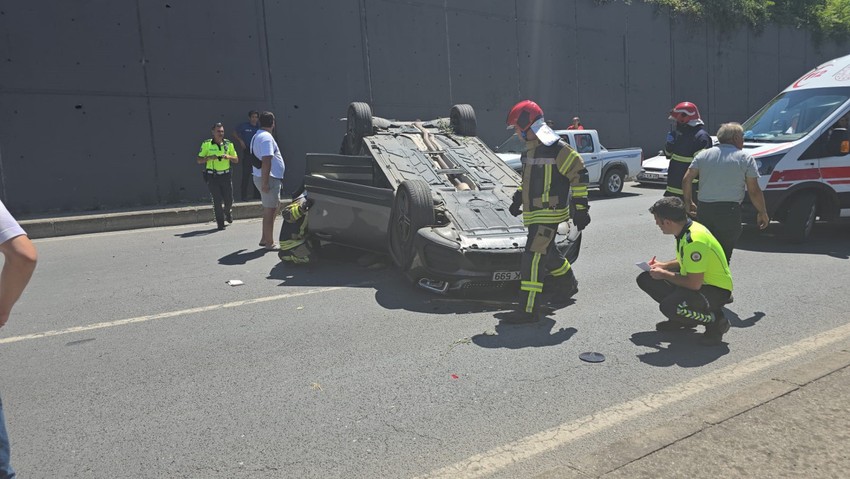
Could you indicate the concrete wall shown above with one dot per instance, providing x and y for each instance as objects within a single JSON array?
[{"x": 103, "y": 104}]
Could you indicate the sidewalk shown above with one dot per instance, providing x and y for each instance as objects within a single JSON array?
[
  {"x": 795, "y": 425},
  {"x": 128, "y": 220}
]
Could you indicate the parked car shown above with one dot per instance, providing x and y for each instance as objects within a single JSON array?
[
  {"x": 431, "y": 194},
  {"x": 608, "y": 169},
  {"x": 654, "y": 170}
]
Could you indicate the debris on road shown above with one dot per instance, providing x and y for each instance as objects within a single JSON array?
[
  {"x": 592, "y": 357},
  {"x": 234, "y": 282}
]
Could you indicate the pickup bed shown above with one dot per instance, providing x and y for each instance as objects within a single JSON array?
[{"x": 608, "y": 169}]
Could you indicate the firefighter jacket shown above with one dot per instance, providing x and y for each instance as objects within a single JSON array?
[
  {"x": 682, "y": 145},
  {"x": 548, "y": 173}
]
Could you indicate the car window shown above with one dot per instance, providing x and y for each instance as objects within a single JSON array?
[
  {"x": 567, "y": 139},
  {"x": 584, "y": 143},
  {"x": 513, "y": 144}
]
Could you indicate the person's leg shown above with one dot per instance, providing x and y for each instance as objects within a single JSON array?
[
  {"x": 227, "y": 193},
  {"x": 657, "y": 289},
  {"x": 560, "y": 283},
  {"x": 246, "y": 182},
  {"x": 6, "y": 471},
  {"x": 216, "y": 194},
  {"x": 271, "y": 201},
  {"x": 268, "y": 226},
  {"x": 724, "y": 222}
]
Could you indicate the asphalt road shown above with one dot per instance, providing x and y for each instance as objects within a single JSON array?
[{"x": 129, "y": 356}]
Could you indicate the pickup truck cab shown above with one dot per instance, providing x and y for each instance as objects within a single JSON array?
[
  {"x": 608, "y": 169},
  {"x": 801, "y": 146}
]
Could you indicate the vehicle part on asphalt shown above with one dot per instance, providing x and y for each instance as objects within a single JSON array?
[{"x": 592, "y": 357}]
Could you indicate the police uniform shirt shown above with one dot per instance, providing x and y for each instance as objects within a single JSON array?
[
  {"x": 209, "y": 148},
  {"x": 699, "y": 252}
]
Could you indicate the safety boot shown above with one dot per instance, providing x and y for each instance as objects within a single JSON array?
[
  {"x": 674, "y": 326},
  {"x": 559, "y": 290},
  {"x": 715, "y": 330}
]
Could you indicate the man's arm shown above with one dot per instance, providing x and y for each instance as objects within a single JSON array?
[
  {"x": 571, "y": 165},
  {"x": 688, "y": 189},
  {"x": 266, "y": 171},
  {"x": 757, "y": 198},
  {"x": 231, "y": 154},
  {"x": 20, "y": 262},
  {"x": 239, "y": 139}
]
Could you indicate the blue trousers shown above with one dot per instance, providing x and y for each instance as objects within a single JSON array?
[{"x": 6, "y": 471}]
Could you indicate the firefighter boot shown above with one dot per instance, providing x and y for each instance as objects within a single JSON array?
[
  {"x": 559, "y": 290},
  {"x": 670, "y": 325},
  {"x": 715, "y": 330}
]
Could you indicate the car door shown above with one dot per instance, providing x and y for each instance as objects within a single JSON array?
[{"x": 349, "y": 208}]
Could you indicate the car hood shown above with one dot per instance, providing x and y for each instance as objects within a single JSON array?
[{"x": 659, "y": 162}]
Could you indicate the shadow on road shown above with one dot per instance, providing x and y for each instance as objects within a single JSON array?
[
  {"x": 683, "y": 349},
  {"x": 826, "y": 239},
  {"x": 737, "y": 322},
  {"x": 595, "y": 195},
  {"x": 243, "y": 256},
  {"x": 517, "y": 336},
  {"x": 192, "y": 234}
]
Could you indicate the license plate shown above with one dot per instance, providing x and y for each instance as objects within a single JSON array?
[
  {"x": 506, "y": 276},
  {"x": 650, "y": 176}
]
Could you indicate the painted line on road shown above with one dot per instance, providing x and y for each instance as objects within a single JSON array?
[
  {"x": 499, "y": 458},
  {"x": 172, "y": 314}
]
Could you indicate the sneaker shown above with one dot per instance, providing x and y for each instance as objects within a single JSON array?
[
  {"x": 714, "y": 331},
  {"x": 673, "y": 326}
]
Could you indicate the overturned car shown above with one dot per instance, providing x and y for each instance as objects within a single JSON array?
[{"x": 429, "y": 193}]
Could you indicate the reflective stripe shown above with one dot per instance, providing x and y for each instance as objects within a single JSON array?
[
  {"x": 538, "y": 161},
  {"x": 547, "y": 183},
  {"x": 568, "y": 163},
  {"x": 545, "y": 216},
  {"x": 562, "y": 270},
  {"x": 683, "y": 159}
]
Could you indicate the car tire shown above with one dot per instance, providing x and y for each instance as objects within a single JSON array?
[
  {"x": 801, "y": 217},
  {"x": 413, "y": 209},
  {"x": 612, "y": 182},
  {"x": 462, "y": 119},
  {"x": 358, "y": 126}
]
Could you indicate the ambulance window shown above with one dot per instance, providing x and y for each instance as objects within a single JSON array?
[{"x": 793, "y": 114}]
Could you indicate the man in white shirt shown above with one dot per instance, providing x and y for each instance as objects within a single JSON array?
[{"x": 269, "y": 178}]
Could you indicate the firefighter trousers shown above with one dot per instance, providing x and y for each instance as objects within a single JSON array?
[{"x": 540, "y": 259}]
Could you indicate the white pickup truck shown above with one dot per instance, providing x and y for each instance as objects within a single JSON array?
[{"x": 608, "y": 169}]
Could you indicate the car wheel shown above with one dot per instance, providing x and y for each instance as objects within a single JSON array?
[
  {"x": 462, "y": 118},
  {"x": 801, "y": 217},
  {"x": 612, "y": 183},
  {"x": 358, "y": 126},
  {"x": 413, "y": 209}
]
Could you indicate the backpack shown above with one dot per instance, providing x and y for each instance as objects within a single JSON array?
[{"x": 255, "y": 162}]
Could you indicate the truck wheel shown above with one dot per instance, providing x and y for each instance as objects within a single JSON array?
[
  {"x": 801, "y": 217},
  {"x": 612, "y": 182},
  {"x": 358, "y": 126},
  {"x": 413, "y": 209},
  {"x": 462, "y": 118}
]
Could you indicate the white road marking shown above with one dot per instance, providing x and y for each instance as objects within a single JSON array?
[
  {"x": 496, "y": 459},
  {"x": 170, "y": 314}
]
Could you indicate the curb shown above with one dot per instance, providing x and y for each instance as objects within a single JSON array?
[
  {"x": 100, "y": 223},
  {"x": 620, "y": 453}
]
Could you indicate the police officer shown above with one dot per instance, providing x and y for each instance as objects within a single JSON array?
[
  {"x": 293, "y": 241},
  {"x": 691, "y": 289},
  {"x": 549, "y": 169},
  {"x": 217, "y": 153},
  {"x": 684, "y": 141}
]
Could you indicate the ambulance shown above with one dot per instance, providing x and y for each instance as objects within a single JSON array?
[{"x": 801, "y": 146}]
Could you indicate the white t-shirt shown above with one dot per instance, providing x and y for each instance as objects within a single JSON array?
[
  {"x": 9, "y": 228},
  {"x": 263, "y": 144}
]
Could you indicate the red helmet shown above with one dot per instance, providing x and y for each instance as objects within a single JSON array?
[
  {"x": 523, "y": 114},
  {"x": 685, "y": 112}
]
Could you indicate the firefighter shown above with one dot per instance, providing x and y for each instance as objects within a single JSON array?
[
  {"x": 293, "y": 241},
  {"x": 549, "y": 169},
  {"x": 684, "y": 141}
]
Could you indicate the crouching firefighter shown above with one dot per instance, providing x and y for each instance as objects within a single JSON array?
[
  {"x": 549, "y": 169},
  {"x": 294, "y": 244}
]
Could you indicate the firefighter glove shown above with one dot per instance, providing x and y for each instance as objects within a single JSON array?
[
  {"x": 582, "y": 217},
  {"x": 516, "y": 204}
]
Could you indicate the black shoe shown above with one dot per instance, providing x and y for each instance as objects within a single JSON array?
[
  {"x": 520, "y": 317},
  {"x": 220, "y": 227},
  {"x": 673, "y": 326},
  {"x": 730, "y": 300},
  {"x": 228, "y": 218},
  {"x": 715, "y": 330}
]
